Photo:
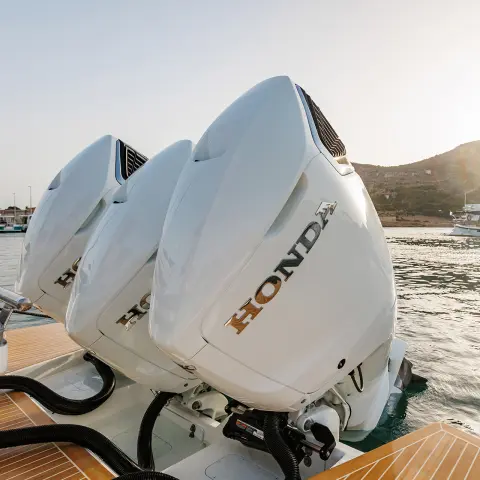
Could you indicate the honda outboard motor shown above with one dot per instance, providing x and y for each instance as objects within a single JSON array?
[
  {"x": 273, "y": 280},
  {"x": 65, "y": 218},
  {"x": 108, "y": 309}
]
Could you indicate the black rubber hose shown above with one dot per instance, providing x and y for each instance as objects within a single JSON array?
[
  {"x": 84, "y": 436},
  {"x": 144, "y": 441},
  {"x": 147, "y": 476},
  {"x": 32, "y": 314},
  {"x": 281, "y": 452},
  {"x": 354, "y": 380},
  {"x": 56, "y": 403}
]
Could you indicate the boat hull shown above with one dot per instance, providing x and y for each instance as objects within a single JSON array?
[
  {"x": 13, "y": 229},
  {"x": 465, "y": 231}
]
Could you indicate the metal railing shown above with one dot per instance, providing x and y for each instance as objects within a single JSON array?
[
  {"x": 14, "y": 300},
  {"x": 11, "y": 301}
]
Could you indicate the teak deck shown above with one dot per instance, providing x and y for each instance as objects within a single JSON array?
[
  {"x": 437, "y": 452},
  {"x": 32, "y": 345},
  {"x": 45, "y": 461},
  {"x": 26, "y": 347}
]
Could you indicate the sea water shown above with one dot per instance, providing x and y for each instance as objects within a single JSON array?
[{"x": 438, "y": 288}]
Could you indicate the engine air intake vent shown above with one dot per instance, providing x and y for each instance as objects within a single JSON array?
[
  {"x": 325, "y": 131},
  {"x": 130, "y": 160}
]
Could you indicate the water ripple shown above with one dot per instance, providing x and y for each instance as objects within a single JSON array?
[{"x": 438, "y": 286}]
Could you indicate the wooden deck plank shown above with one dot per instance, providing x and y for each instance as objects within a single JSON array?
[
  {"x": 382, "y": 466},
  {"x": 436, "y": 452},
  {"x": 474, "y": 469},
  {"x": 431, "y": 465},
  {"x": 420, "y": 458},
  {"x": 32, "y": 345},
  {"x": 451, "y": 459},
  {"x": 462, "y": 468},
  {"x": 45, "y": 461},
  {"x": 403, "y": 461}
]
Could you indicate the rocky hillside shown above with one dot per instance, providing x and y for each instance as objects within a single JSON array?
[{"x": 434, "y": 186}]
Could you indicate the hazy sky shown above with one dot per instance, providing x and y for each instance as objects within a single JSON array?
[{"x": 399, "y": 80}]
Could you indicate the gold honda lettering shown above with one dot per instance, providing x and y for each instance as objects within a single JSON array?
[
  {"x": 263, "y": 295},
  {"x": 67, "y": 277},
  {"x": 139, "y": 310},
  {"x": 249, "y": 310}
]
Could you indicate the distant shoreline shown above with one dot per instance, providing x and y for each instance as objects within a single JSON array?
[{"x": 414, "y": 221}]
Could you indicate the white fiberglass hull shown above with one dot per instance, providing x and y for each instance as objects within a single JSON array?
[{"x": 466, "y": 231}]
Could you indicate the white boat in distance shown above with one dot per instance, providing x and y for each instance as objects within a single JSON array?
[{"x": 467, "y": 223}]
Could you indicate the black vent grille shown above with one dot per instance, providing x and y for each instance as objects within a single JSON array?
[
  {"x": 325, "y": 131},
  {"x": 130, "y": 160}
]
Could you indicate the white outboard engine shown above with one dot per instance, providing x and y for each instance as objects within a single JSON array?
[
  {"x": 273, "y": 279},
  {"x": 108, "y": 309},
  {"x": 65, "y": 218}
]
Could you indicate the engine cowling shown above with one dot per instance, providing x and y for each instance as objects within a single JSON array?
[
  {"x": 66, "y": 216},
  {"x": 109, "y": 305},
  {"x": 273, "y": 279}
]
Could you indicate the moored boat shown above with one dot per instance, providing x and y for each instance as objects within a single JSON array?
[
  {"x": 467, "y": 221},
  {"x": 12, "y": 228},
  {"x": 465, "y": 230}
]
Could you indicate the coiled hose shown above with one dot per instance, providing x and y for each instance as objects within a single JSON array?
[
  {"x": 281, "y": 452},
  {"x": 144, "y": 441},
  {"x": 85, "y": 437},
  {"x": 56, "y": 403}
]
